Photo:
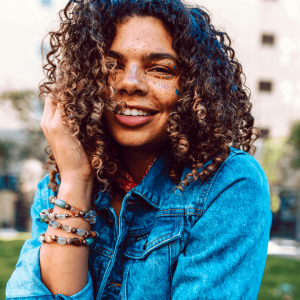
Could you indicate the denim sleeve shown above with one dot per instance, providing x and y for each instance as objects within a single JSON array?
[
  {"x": 225, "y": 253},
  {"x": 25, "y": 282}
]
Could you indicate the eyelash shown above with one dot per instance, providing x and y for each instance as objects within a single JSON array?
[
  {"x": 154, "y": 69},
  {"x": 159, "y": 70}
]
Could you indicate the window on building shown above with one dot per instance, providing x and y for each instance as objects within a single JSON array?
[
  {"x": 268, "y": 39},
  {"x": 265, "y": 86},
  {"x": 264, "y": 133},
  {"x": 46, "y": 2}
]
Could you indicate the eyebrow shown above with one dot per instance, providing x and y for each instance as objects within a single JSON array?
[
  {"x": 151, "y": 56},
  {"x": 161, "y": 55}
]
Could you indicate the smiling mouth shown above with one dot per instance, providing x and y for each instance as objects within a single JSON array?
[{"x": 133, "y": 112}]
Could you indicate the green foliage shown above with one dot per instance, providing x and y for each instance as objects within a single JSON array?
[
  {"x": 5, "y": 153},
  {"x": 28, "y": 106},
  {"x": 275, "y": 202},
  {"x": 10, "y": 251},
  {"x": 17, "y": 95},
  {"x": 273, "y": 150},
  {"x": 279, "y": 270},
  {"x": 30, "y": 109},
  {"x": 294, "y": 140}
]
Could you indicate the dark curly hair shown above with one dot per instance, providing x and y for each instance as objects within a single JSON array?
[{"x": 213, "y": 111}]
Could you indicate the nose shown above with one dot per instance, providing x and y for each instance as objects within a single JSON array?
[{"x": 132, "y": 81}]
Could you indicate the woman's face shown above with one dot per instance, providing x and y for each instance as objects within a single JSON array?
[{"x": 146, "y": 81}]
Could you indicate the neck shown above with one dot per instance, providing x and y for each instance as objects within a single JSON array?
[{"x": 136, "y": 160}]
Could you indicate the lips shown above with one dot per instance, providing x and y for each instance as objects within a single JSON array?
[
  {"x": 133, "y": 121},
  {"x": 134, "y": 116}
]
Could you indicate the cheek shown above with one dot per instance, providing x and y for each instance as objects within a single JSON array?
[{"x": 166, "y": 92}]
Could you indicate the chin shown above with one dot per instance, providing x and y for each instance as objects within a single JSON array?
[{"x": 138, "y": 140}]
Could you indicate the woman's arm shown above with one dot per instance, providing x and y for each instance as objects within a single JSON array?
[
  {"x": 68, "y": 262},
  {"x": 25, "y": 281},
  {"x": 64, "y": 268},
  {"x": 226, "y": 250}
]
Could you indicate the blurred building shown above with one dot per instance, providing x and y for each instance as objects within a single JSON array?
[
  {"x": 265, "y": 36},
  {"x": 23, "y": 25}
]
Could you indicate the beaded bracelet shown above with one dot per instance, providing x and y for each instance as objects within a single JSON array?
[
  {"x": 47, "y": 214},
  {"x": 63, "y": 204},
  {"x": 62, "y": 240},
  {"x": 66, "y": 228}
]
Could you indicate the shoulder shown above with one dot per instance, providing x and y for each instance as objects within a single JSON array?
[
  {"x": 238, "y": 166},
  {"x": 238, "y": 180},
  {"x": 241, "y": 165}
]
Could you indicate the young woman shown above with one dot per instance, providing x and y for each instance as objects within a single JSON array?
[{"x": 151, "y": 193}]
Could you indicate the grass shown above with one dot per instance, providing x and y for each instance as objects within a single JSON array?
[
  {"x": 277, "y": 271},
  {"x": 10, "y": 251}
]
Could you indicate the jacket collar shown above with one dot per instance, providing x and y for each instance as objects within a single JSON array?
[{"x": 155, "y": 187}]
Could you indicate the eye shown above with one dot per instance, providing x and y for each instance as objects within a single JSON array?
[{"x": 159, "y": 70}]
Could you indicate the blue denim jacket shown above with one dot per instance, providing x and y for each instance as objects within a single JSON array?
[{"x": 209, "y": 242}]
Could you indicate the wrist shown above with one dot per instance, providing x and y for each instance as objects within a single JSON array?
[
  {"x": 76, "y": 194},
  {"x": 74, "y": 179}
]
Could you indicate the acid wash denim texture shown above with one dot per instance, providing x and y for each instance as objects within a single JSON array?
[{"x": 210, "y": 242}]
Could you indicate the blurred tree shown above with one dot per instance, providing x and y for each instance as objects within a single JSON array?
[
  {"x": 294, "y": 140},
  {"x": 30, "y": 110},
  {"x": 5, "y": 154},
  {"x": 273, "y": 150}
]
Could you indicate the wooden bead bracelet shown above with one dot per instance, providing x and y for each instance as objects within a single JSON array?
[{"x": 63, "y": 241}]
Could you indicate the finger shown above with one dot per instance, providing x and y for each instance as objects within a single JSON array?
[
  {"x": 49, "y": 109},
  {"x": 57, "y": 121}
]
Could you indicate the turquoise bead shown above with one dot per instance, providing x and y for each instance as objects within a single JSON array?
[
  {"x": 89, "y": 241},
  {"x": 60, "y": 203},
  {"x": 167, "y": 77},
  {"x": 43, "y": 218}
]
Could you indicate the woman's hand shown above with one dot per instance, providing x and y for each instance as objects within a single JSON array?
[{"x": 73, "y": 163}]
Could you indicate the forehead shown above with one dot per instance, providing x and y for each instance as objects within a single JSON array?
[{"x": 140, "y": 35}]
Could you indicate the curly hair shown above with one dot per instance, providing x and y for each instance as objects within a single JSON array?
[{"x": 213, "y": 111}]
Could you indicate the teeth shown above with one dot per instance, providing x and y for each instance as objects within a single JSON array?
[
  {"x": 135, "y": 112},
  {"x": 127, "y": 112}
]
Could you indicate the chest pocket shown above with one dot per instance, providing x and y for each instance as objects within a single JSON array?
[{"x": 142, "y": 242}]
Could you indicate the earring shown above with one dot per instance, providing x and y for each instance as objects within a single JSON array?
[{"x": 177, "y": 92}]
